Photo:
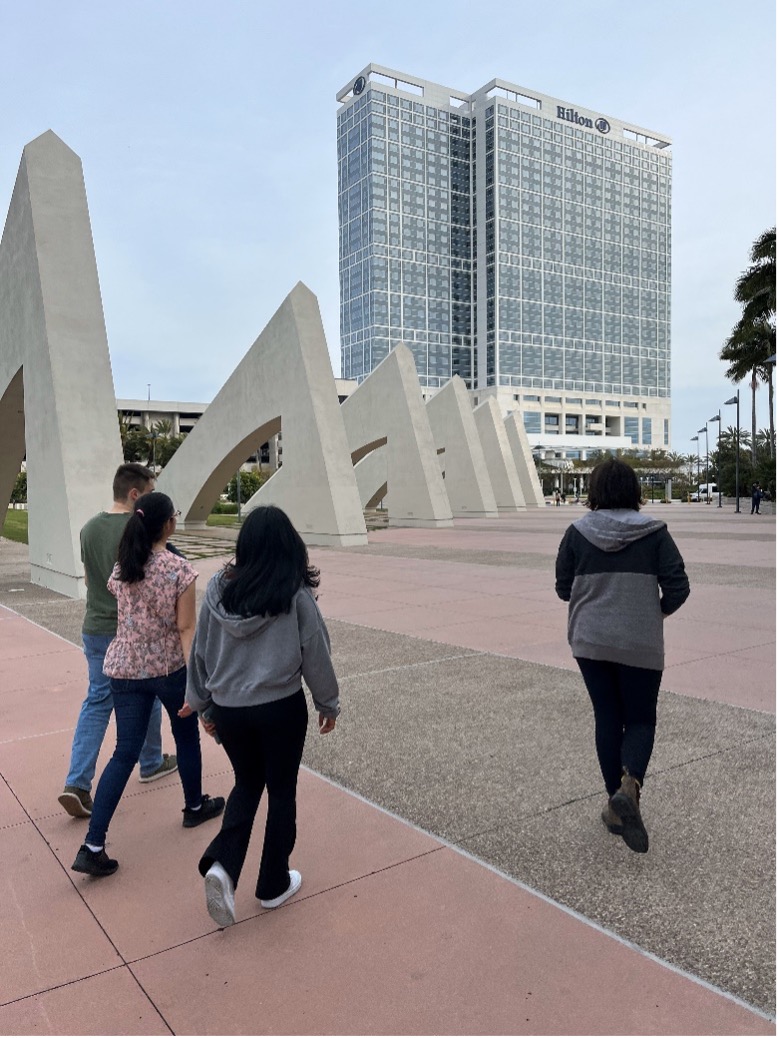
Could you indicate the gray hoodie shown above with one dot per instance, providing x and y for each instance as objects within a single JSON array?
[
  {"x": 622, "y": 573},
  {"x": 246, "y": 662}
]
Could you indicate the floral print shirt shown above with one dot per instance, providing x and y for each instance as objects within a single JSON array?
[{"x": 147, "y": 642}]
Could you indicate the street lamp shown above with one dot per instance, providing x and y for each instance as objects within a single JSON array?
[
  {"x": 694, "y": 439},
  {"x": 736, "y": 400},
  {"x": 705, "y": 429},
  {"x": 718, "y": 418}
]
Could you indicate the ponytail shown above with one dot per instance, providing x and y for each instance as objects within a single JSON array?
[{"x": 143, "y": 530}]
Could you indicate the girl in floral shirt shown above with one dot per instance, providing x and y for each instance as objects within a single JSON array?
[{"x": 155, "y": 593}]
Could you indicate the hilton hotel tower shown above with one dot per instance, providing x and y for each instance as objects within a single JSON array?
[{"x": 518, "y": 240}]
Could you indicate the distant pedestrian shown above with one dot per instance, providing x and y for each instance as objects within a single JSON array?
[
  {"x": 609, "y": 566},
  {"x": 557, "y": 498},
  {"x": 146, "y": 661},
  {"x": 757, "y": 497},
  {"x": 259, "y": 634}
]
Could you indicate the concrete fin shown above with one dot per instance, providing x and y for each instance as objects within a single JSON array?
[
  {"x": 497, "y": 452},
  {"x": 454, "y": 430},
  {"x": 57, "y": 397},
  {"x": 284, "y": 381},
  {"x": 523, "y": 459},
  {"x": 386, "y": 416}
]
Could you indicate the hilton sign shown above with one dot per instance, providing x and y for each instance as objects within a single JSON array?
[{"x": 572, "y": 116}]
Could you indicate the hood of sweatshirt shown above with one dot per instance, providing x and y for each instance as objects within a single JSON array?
[
  {"x": 236, "y": 626},
  {"x": 612, "y": 529}
]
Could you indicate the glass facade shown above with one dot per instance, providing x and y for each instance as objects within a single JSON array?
[
  {"x": 581, "y": 290},
  {"x": 566, "y": 228},
  {"x": 405, "y": 174}
]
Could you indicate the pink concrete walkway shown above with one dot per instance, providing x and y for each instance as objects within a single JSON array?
[{"x": 393, "y": 933}]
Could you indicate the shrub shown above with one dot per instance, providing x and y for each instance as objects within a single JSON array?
[
  {"x": 250, "y": 484},
  {"x": 19, "y": 492}
]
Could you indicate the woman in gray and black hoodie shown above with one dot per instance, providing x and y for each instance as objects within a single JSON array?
[
  {"x": 623, "y": 575},
  {"x": 259, "y": 634}
]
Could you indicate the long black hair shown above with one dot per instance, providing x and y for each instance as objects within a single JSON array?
[
  {"x": 144, "y": 528},
  {"x": 271, "y": 564},
  {"x": 614, "y": 484}
]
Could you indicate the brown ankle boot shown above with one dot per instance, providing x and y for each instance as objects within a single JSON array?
[
  {"x": 611, "y": 820},
  {"x": 624, "y": 804}
]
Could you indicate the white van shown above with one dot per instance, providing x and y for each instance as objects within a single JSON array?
[{"x": 705, "y": 492}]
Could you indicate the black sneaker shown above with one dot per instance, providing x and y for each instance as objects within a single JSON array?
[
  {"x": 94, "y": 863},
  {"x": 210, "y": 807}
]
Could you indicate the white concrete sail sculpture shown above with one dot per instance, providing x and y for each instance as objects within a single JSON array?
[
  {"x": 500, "y": 462},
  {"x": 284, "y": 381},
  {"x": 532, "y": 490},
  {"x": 460, "y": 452},
  {"x": 57, "y": 397},
  {"x": 392, "y": 446}
]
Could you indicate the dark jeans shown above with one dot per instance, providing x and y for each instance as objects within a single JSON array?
[
  {"x": 624, "y": 700},
  {"x": 265, "y": 746},
  {"x": 133, "y": 702}
]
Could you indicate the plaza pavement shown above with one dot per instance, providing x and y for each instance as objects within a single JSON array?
[{"x": 457, "y": 878}]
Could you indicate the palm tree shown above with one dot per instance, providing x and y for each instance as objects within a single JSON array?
[
  {"x": 753, "y": 340},
  {"x": 756, "y": 288},
  {"x": 691, "y": 467},
  {"x": 747, "y": 353},
  {"x": 764, "y": 439},
  {"x": 124, "y": 427},
  {"x": 728, "y": 439}
]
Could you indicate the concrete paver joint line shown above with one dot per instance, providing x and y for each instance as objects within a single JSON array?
[
  {"x": 151, "y": 1001},
  {"x": 36, "y": 735},
  {"x": 64, "y": 984},
  {"x": 410, "y": 666}
]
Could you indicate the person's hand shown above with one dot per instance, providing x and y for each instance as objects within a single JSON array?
[
  {"x": 326, "y": 724},
  {"x": 186, "y": 711},
  {"x": 208, "y": 726}
]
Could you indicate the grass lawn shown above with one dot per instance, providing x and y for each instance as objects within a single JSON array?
[
  {"x": 15, "y": 525},
  {"x": 222, "y": 520}
]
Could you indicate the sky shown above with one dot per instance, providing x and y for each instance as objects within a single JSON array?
[{"x": 207, "y": 133}]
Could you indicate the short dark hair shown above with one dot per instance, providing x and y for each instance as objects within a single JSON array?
[
  {"x": 131, "y": 476},
  {"x": 614, "y": 484},
  {"x": 271, "y": 565},
  {"x": 144, "y": 529}
]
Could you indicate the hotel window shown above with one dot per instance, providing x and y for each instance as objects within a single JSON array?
[
  {"x": 631, "y": 430},
  {"x": 532, "y": 422}
]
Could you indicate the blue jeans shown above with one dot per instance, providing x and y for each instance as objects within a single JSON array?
[
  {"x": 133, "y": 703},
  {"x": 94, "y": 716}
]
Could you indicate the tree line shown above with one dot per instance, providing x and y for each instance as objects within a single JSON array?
[{"x": 750, "y": 353}]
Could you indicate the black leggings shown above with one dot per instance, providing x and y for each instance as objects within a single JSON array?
[
  {"x": 265, "y": 745},
  {"x": 624, "y": 700}
]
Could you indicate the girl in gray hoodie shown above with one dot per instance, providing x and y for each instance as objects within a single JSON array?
[
  {"x": 622, "y": 575},
  {"x": 259, "y": 634}
]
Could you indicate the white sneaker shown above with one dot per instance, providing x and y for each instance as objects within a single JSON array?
[
  {"x": 295, "y": 879},
  {"x": 220, "y": 896}
]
